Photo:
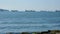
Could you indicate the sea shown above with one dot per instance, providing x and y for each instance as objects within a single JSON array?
[{"x": 29, "y": 21}]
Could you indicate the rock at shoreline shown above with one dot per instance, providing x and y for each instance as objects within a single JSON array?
[{"x": 44, "y": 32}]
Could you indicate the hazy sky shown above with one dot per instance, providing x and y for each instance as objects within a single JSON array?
[{"x": 30, "y": 4}]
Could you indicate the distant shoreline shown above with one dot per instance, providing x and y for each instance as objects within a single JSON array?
[{"x": 29, "y": 10}]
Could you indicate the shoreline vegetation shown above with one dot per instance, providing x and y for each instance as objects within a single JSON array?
[
  {"x": 2, "y": 10},
  {"x": 43, "y": 32}
]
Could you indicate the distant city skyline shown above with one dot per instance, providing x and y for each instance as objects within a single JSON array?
[{"x": 30, "y": 4}]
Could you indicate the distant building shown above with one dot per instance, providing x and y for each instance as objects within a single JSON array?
[
  {"x": 57, "y": 10},
  {"x": 29, "y": 10},
  {"x": 14, "y": 10}
]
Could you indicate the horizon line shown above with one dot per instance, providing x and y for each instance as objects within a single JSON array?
[{"x": 30, "y": 10}]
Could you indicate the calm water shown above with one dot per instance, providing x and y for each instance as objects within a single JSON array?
[{"x": 29, "y": 21}]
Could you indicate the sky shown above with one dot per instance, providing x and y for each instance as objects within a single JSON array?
[{"x": 30, "y": 4}]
